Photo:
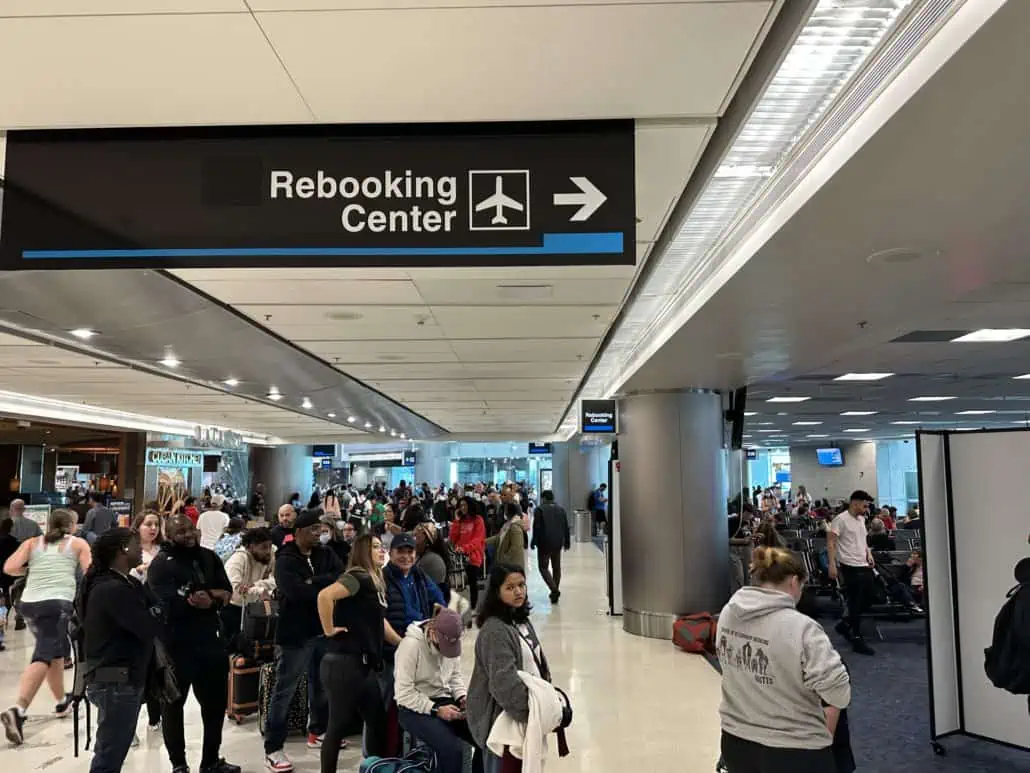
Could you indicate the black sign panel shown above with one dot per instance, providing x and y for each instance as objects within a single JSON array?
[
  {"x": 435, "y": 195},
  {"x": 409, "y": 459},
  {"x": 540, "y": 448},
  {"x": 597, "y": 416},
  {"x": 752, "y": 453}
]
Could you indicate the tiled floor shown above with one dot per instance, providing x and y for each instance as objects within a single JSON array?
[{"x": 640, "y": 705}]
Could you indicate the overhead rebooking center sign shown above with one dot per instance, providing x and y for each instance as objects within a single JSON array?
[
  {"x": 556, "y": 193},
  {"x": 399, "y": 189}
]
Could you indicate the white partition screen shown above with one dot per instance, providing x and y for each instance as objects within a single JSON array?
[
  {"x": 933, "y": 481},
  {"x": 974, "y": 537}
]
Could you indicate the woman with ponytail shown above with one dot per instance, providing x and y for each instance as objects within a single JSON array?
[
  {"x": 779, "y": 669},
  {"x": 52, "y": 562},
  {"x": 119, "y": 630}
]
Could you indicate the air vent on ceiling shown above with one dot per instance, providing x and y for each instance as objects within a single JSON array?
[
  {"x": 525, "y": 292},
  {"x": 344, "y": 316}
]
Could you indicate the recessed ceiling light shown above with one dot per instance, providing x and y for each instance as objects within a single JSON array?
[
  {"x": 403, "y": 436},
  {"x": 782, "y": 413},
  {"x": 274, "y": 396},
  {"x": 992, "y": 335},
  {"x": 305, "y": 403},
  {"x": 170, "y": 361},
  {"x": 351, "y": 419},
  {"x": 382, "y": 428},
  {"x": 931, "y": 399},
  {"x": 83, "y": 332},
  {"x": 787, "y": 399},
  {"x": 857, "y": 429},
  {"x": 859, "y": 413},
  {"x": 231, "y": 382},
  {"x": 974, "y": 413},
  {"x": 748, "y": 436},
  {"x": 368, "y": 425},
  {"x": 764, "y": 423},
  {"x": 755, "y": 413},
  {"x": 807, "y": 423},
  {"x": 905, "y": 423},
  {"x": 768, "y": 430},
  {"x": 1025, "y": 376},
  {"x": 816, "y": 436},
  {"x": 863, "y": 376},
  {"x": 393, "y": 433},
  {"x": 331, "y": 415}
]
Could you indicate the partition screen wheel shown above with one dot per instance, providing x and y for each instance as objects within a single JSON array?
[{"x": 939, "y": 750}]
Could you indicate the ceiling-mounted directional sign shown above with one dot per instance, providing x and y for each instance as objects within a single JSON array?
[{"x": 433, "y": 195}]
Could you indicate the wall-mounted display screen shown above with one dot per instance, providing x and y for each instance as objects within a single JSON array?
[
  {"x": 540, "y": 448},
  {"x": 830, "y": 457},
  {"x": 325, "y": 450}
]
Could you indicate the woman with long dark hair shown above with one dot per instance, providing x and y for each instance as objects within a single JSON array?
[
  {"x": 468, "y": 535},
  {"x": 119, "y": 644},
  {"x": 146, "y": 532},
  {"x": 51, "y": 562},
  {"x": 352, "y": 612},
  {"x": 507, "y": 644}
]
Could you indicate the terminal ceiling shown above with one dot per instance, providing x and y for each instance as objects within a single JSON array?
[
  {"x": 944, "y": 183},
  {"x": 488, "y": 352}
]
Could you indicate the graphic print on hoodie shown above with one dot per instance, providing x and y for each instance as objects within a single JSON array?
[{"x": 778, "y": 666}]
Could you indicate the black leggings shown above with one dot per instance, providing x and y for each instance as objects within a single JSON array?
[
  {"x": 473, "y": 573},
  {"x": 352, "y": 688},
  {"x": 742, "y": 756}
]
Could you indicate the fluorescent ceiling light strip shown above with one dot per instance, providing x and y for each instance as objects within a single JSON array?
[
  {"x": 832, "y": 46},
  {"x": 58, "y": 410}
]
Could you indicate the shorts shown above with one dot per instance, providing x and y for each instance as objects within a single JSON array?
[{"x": 48, "y": 621}]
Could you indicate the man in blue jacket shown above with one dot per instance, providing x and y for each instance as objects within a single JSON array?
[{"x": 303, "y": 567}]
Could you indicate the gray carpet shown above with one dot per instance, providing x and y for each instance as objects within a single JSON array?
[{"x": 889, "y": 715}]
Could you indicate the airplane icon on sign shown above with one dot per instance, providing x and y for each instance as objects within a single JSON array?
[{"x": 498, "y": 202}]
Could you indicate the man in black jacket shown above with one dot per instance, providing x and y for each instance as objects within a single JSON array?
[
  {"x": 119, "y": 631},
  {"x": 550, "y": 537},
  {"x": 191, "y": 586},
  {"x": 303, "y": 567}
]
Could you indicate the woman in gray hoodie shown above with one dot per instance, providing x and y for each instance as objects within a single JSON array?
[{"x": 779, "y": 668}]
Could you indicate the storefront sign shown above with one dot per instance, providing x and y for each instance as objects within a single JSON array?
[
  {"x": 430, "y": 195},
  {"x": 174, "y": 457},
  {"x": 597, "y": 417},
  {"x": 539, "y": 448}
]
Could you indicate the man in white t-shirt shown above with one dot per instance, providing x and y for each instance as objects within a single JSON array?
[
  {"x": 851, "y": 559},
  {"x": 212, "y": 523}
]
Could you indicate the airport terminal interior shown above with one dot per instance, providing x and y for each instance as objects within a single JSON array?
[{"x": 706, "y": 299}]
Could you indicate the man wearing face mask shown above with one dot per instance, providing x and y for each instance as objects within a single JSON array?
[
  {"x": 191, "y": 586},
  {"x": 303, "y": 568},
  {"x": 333, "y": 537}
]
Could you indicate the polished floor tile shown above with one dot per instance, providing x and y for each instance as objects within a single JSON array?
[{"x": 640, "y": 705}]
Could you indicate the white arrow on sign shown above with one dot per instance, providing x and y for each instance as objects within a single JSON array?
[{"x": 589, "y": 199}]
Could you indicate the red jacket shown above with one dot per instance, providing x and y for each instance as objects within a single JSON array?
[{"x": 469, "y": 536}]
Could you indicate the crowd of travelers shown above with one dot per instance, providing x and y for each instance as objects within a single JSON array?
[{"x": 371, "y": 592}]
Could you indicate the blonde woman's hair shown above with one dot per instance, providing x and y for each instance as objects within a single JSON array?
[
  {"x": 362, "y": 559},
  {"x": 774, "y": 566}
]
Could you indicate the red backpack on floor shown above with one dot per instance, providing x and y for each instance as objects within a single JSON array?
[{"x": 695, "y": 633}]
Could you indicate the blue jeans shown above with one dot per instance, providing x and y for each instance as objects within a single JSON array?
[
  {"x": 290, "y": 663},
  {"x": 118, "y": 708},
  {"x": 447, "y": 739}
]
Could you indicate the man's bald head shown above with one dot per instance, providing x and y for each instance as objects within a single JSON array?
[
  {"x": 17, "y": 508},
  {"x": 181, "y": 531}
]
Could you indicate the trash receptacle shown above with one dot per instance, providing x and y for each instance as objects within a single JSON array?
[{"x": 584, "y": 526}]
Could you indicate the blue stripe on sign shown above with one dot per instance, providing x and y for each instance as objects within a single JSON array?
[
  {"x": 599, "y": 428},
  {"x": 605, "y": 243}
]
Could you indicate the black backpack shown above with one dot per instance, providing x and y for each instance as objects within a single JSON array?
[
  {"x": 592, "y": 501},
  {"x": 1007, "y": 660}
]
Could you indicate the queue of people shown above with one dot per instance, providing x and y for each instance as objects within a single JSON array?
[{"x": 369, "y": 624}]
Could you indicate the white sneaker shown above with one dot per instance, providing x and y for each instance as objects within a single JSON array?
[{"x": 278, "y": 762}]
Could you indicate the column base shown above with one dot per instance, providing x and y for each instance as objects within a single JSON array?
[{"x": 651, "y": 625}]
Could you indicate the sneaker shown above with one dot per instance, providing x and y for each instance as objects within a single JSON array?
[
  {"x": 19, "y": 624},
  {"x": 277, "y": 762},
  {"x": 221, "y": 767},
  {"x": 554, "y": 597},
  {"x": 13, "y": 721},
  {"x": 181, "y": 769},
  {"x": 859, "y": 646},
  {"x": 154, "y": 727},
  {"x": 3, "y": 647},
  {"x": 64, "y": 708},
  {"x": 315, "y": 741},
  {"x": 843, "y": 629}
]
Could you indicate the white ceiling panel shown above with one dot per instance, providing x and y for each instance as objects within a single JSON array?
[
  {"x": 522, "y": 321},
  {"x": 369, "y": 351},
  {"x": 517, "y": 292},
  {"x": 633, "y": 54},
  {"x": 328, "y": 292},
  {"x": 666, "y": 158},
  {"x": 131, "y": 70},
  {"x": 516, "y": 274},
  {"x": 114, "y": 7},
  {"x": 487, "y": 386},
  {"x": 526, "y": 350}
]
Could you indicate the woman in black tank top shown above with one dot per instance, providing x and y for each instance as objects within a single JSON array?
[{"x": 352, "y": 613}]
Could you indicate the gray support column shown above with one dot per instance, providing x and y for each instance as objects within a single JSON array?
[
  {"x": 570, "y": 473},
  {"x": 675, "y": 548},
  {"x": 433, "y": 463},
  {"x": 283, "y": 470}
]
